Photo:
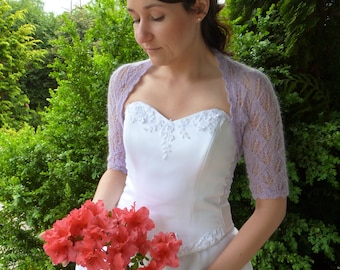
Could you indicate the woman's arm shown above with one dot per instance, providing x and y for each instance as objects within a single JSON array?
[
  {"x": 266, "y": 218},
  {"x": 264, "y": 154},
  {"x": 112, "y": 182},
  {"x": 110, "y": 188}
]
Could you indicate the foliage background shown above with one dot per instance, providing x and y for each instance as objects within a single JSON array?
[{"x": 54, "y": 75}]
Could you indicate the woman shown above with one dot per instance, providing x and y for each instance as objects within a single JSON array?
[{"x": 178, "y": 124}]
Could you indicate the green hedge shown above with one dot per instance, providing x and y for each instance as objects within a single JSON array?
[{"x": 47, "y": 171}]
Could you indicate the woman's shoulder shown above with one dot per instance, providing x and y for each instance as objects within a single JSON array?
[
  {"x": 240, "y": 70},
  {"x": 125, "y": 77},
  {"x": 243, "y": 80},
  {"x": 132, "y": 70}
]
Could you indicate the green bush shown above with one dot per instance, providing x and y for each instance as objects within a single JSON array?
[
  {"x": 18, "y": 47},
  {"x": 308, "y": 238},
  {"x": 47, "y": 171}
]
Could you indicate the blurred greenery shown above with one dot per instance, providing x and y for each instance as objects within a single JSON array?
[{"x": 54, "y": 74}]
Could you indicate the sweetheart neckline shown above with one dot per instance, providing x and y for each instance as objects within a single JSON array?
[{"x": 178, "y": 119}]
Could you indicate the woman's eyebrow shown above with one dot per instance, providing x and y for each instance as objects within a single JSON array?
[{"x": 147, "y": 7}]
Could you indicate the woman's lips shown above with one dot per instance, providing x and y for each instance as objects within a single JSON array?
[{"x": 151, "y": 50}]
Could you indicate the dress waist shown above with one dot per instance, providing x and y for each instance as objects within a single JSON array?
[{"x": 198, "y": 222}]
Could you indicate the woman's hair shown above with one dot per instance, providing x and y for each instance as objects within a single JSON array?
[{"x": 215, "y": 33}]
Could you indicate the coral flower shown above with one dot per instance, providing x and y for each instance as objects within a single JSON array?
[
  {"x": 164, "y": 248},
  {"x": 99, "y": 239}
]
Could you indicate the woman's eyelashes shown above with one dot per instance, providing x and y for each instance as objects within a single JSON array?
[
  {"x": 158, "y": 19},
  {"x": 135, "y": 21},
  {"x": 155, "y": 19}
]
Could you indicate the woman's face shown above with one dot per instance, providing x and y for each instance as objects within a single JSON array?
[{"x": 166, "y": 32}]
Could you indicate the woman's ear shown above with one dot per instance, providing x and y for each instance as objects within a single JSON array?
[{"x": 201, "y": 8}]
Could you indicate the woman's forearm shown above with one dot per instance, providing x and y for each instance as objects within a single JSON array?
[
  {"x": 110, "y": 188},
  {"x": 267, "y": 216}
]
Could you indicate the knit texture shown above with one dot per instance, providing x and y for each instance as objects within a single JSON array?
[{"x": 255, "y": 119}]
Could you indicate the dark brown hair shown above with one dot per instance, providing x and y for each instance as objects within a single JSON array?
[{"x": 215, "y": 33}]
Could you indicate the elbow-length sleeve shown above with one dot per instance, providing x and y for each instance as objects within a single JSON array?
[
  {"x": 263, "y": 141},
  {"x": 115, "y": 103}
]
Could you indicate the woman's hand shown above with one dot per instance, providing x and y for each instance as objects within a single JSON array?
[{"x": 266, "y": 218}]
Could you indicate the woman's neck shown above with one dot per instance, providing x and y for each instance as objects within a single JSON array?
[{"x": 192, "y": 67}]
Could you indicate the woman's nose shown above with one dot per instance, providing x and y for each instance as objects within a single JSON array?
[{"x": 142, "y": 32}]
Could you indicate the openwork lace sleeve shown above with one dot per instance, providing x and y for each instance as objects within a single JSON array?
[
  {"x": 263, "y": 142},
  {"x": 116, "y": 157}
]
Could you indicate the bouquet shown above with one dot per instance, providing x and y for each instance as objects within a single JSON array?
[{"x": 97, "y": 239}]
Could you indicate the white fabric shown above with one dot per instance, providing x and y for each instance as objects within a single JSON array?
[
  {"x": 201, "y": 260},
  {"x": 182, "y": 171}
]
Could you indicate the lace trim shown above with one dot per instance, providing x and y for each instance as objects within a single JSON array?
[
  {"x": 153, "y": 121},
  {"x": 206, "y": 241}
]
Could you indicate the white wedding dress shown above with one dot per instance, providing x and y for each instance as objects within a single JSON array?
[{"x": 182, "y": 171}]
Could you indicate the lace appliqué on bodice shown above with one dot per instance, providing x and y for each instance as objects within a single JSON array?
[
  {"x": 197, "y": 153},
  {"x": 154, "y": 121},
  {"x": 206, "y": 241}
]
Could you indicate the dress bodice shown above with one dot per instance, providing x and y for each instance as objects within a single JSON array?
[{"x": 182, "y": 171}]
